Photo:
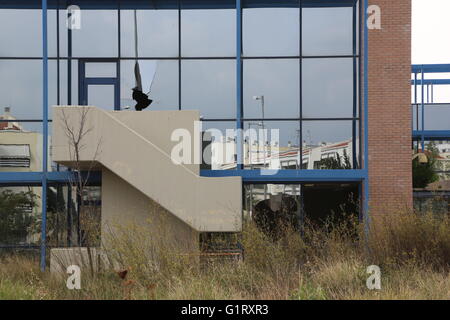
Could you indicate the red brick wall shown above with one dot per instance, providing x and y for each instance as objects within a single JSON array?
[{"x": 389, "y": 97}]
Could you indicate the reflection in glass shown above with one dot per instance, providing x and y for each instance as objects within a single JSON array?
[
  {"x": 209, "y": 86},
  {"x": 327, "y": 88},
  {"x": 20, "y": 144},
  {"x": 101, "y": 96},
  {"x": 327, "y": 31},
  {"x": 219, "y": 145},
  {"x": 19, "y": 219},
  {"x": 208, "y": 33},
  {"x": 157, "y": 33},
  {"x": 276, "y": 80},
  {"x": 271, "y": 144},
  {"x": 158, "y": 77},
  {"x": 271, "y": 31},
  {"x": 273, "y": 207},
  {"x": 437, "y": 117},
  {"x": 21, "y": 88},
  {"x": 97, "y": 36},
  {"x": 100, "y": 69},
  {"x": 329, "y": 145},
  {"x": 21, "y": 32}
]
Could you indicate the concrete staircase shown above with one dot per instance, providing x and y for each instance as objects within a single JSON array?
[{"x": 137, "y": 146}]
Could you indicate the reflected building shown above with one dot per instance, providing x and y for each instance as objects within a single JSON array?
[{"x": 20, "y": 151}]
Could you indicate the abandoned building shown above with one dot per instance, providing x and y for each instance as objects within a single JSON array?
[{"x": 291, "y": 107}]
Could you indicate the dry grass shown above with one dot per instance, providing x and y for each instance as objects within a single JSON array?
[{"x": 412, "y": 250}]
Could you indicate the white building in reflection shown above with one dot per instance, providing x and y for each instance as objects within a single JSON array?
[{"x": 274, "y": 157}]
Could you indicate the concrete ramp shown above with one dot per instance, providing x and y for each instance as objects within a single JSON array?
[{"x": 137, "y": 146}]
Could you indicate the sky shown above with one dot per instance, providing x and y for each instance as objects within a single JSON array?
[{"x": 430, "y": 31}]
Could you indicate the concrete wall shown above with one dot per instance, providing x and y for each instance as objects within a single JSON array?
[
  {"x": 206, "y": 204},
  {"x": 126, "y": 209},
  {"x": 390, "y": 167}
]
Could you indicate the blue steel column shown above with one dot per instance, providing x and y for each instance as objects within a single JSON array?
[
  {"x": 366, "y": 120},
  {"x": 45, "y": 128},
  {"x": 423, "y": 110},
  {"x": 239, "y": 124}
]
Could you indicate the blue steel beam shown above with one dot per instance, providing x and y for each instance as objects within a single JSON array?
[
  {"x": 173, "y": 4},
  {"x": 419, "y": 135},
  {"x": 45, "y": 143},
  {"x": 431, "y": 82},
  {"x": 289, "y": 176},
  {"x": 365, "y": 209},
  {"x": 430, "y": 68}
]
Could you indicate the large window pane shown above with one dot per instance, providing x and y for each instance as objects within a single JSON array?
[
  {"x": 329, "y": 144},
  {"x": 21, "y": 88},
  {"x": 21, "y": 32},
  {"x": 276, "y": 80},
  {"x": 219, "y": 145},
  {"x": 327, "y": 31},
  {"x": 20, "y": 215},
  {"x": 271, "y": 144},
  {"x": 327, "y": 88},
  {"x": 20, "y": 145},
  {"x": 271, "y": 32},
  {"x": 160, "y": 77},
  {"x": 97, "y": 36},
  {"x": 437, "y": 117},
  {"x": 209, "y": 86},
  {"x": 207, "y": 33},
  {"x": 157, "y": 33},
  {"x": 273, "y": 206}
]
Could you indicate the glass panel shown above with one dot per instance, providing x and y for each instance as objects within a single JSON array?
[
  {"x": 273, "y": 206},
  {"x": 271, "y": 144},
  {"x": 436, "y": 117},
  {"x": 63, "y": 84},
  {"x": 209, "y": 86},
  {"x": 97, "y": 36},
  {"x": 417, "y": 117},
  {"x": 271, "y": 32},
  {"x": 219, "y": 145},
  {"x": 208, "y": 33},
  {"x": 276, "y": 80},
  {"x": 100, "y": 69},
  {"x": 20, "y": 213},
  {"x": 21, "y": 88},
  {"x": 327, "y": 31},
  {"x": 329, "y": 144},
  {"x": 327, "y": 88},
  {"x": 157, "y": 33},
  {"x": 342, "y": 201},
  {"x": 20, "y": 145},
  {"x": 101, "y": 96},
  {"x": 22, "y": 31},
  {"x": 158, "y": 76}
]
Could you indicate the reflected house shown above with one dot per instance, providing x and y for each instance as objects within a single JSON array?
[
  {"x": 20, "y": 151},
  {"x": 275, "y": 157},
  {"x": 443, "y": 160}
]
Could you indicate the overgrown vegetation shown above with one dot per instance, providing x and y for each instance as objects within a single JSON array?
[
  {"x": 425, "y": 173},
  {"x": 16, "y": 218},
  {"x": 328, "y": 262}
]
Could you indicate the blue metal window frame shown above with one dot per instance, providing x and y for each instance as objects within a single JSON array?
[
  {"x": 45, "y": 177},
  {"x": 84, "y": 82},
  {"x": 421, "y": 133}
]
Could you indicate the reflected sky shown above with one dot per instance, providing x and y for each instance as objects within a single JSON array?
[{"x": 206, "y": 85}]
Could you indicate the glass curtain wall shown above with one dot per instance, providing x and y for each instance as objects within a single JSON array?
[{"x": 299, "y": 75}]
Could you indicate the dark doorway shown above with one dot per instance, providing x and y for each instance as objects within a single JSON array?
[{"x": 330, "y": 201}]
